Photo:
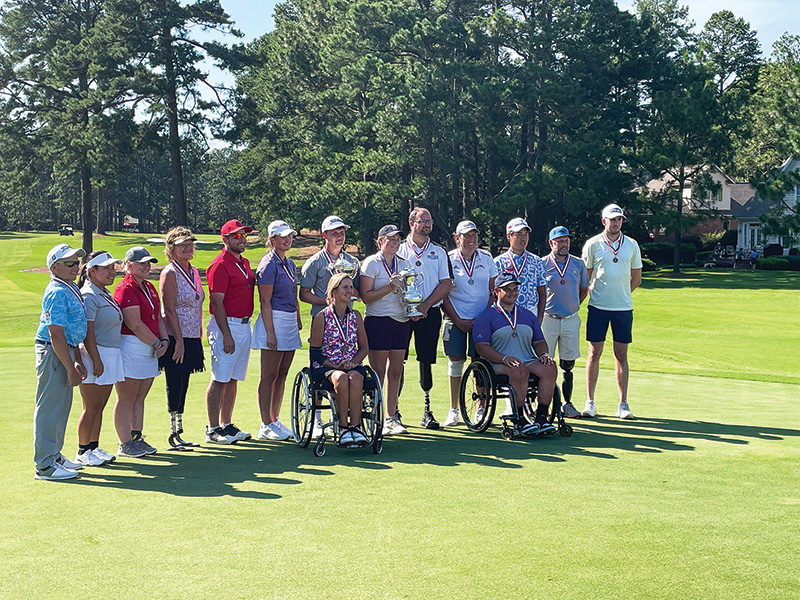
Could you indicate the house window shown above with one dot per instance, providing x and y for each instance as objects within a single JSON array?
[
  {"x": 754, "y": 237},
  {"x": 714, "y": 197}
]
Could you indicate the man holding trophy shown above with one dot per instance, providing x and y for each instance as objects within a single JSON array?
[
  {"x": 332, "y": 258},
  {"x": 429, "y": 260}
]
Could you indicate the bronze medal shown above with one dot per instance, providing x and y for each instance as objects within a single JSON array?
[
  {"x": 615, "y": 259},
  {"x": 563, "y": 282}
]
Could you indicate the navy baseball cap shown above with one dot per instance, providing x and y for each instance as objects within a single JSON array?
[
  {"x": 505, "y": 278},
  {"x": 559, "y": 231}
]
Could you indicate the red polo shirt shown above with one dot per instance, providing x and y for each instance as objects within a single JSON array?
[
  {"x": 128, "y": 293},
  {"x": 235, "y": 279}
]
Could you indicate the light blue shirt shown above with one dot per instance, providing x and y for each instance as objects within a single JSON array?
[
  {"x": 563, "y": 299},
  {"x": 62, "y": 305}
]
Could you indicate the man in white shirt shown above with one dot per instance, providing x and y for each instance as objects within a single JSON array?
[
  {"x": 614, "y": 264},
  {"x": 431, "y": 260}
]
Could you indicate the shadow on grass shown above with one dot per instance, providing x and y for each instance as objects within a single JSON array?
[
  {"x": 730, "y": 279},
  {"x": 260, "y": 469}
]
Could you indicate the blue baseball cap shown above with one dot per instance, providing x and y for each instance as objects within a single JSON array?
[
  {"x": 559, "y": 231},
  {"x": 505, "y": 278}
]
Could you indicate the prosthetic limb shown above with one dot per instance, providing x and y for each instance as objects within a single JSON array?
[
  {"x": 426, "y": 383},
  {"x": 566, "y": 385},
  {"x": 176, "y": 428}
]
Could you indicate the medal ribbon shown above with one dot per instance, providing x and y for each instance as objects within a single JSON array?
[
  {"x": 285, "y": 267},
  {"x": 71, "y": 287},
  {"x": 469, "y": 267},
  {"x": 421, "y": 252},
  {"x": 144, "y": 291},
  {"x": 393, "y": 270},
  {"x": 239, "y": 266},
  {"x": 561, "y": 272},
  {"x": 619, "y": 245},
  {"x": 189, "y": 280},
  {"x": 344, "y": 332},
  {"x": 506, "y": 317},
  {"x": 329, "y": 256},
  {"x": 110, "y": 299},
  {"x": 518, "y": 272}
]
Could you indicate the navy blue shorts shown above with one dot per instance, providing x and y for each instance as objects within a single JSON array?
[
  {"x": 456, "y": 342},
  {"x": 621, "y": 325},
  {"x": 426, "y": 336},
  {"x": 384, "y": 333}
]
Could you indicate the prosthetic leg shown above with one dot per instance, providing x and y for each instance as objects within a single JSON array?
[
  {"x": 566, "y": 389},
  {"x": 176, "y": 429},
  {"x": 426, "y": 383}
]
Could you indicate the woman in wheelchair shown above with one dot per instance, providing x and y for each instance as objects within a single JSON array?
[
  {"x": 338, "y": 345},
  {"x": 507, "y": 335}
]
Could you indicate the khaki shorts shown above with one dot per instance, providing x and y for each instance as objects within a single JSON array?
[{"x": 564, "y": 334}]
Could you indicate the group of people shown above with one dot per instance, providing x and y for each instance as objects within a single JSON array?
[{"x": 513, "y": 310}]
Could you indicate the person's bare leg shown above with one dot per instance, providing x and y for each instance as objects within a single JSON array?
[
  {"x": 226, "y": 401},
  {"x": 213, "y": 399},
  {"x": 621, "y": 369},
  {"x": 356, "y": 392},
  {"x": 278, "y": 386},
  {"x": 593, "y": 368}
]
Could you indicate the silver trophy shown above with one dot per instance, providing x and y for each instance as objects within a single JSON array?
[
  {"x": 412, "y": 295},
  {"x": 342, "y": 265}
]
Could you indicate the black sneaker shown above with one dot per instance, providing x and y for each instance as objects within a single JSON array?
[
  {"x": 233, "y": 431},
  {"x": 545, "y": 427},
  {"x": 216, "y": 436},
  {"x": 429, "y": 421}
]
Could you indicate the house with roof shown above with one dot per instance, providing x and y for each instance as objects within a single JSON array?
[{"x": 749, "y": 215}]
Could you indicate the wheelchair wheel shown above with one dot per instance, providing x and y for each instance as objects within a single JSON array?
[
  {"x": 302, "y": 408},
  {"x": 565, "y": 430},
  {"x": 477, "y": 398},
  {"x": 372, "y": 414}
]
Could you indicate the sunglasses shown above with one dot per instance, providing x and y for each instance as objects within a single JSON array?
[
  {"x": 69, "y": 263},
  {"x": 238, "y": 236}
]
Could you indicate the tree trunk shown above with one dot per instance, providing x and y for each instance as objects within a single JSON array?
[
  {"x": 101, "y": 210},
  {"x": 178, "y": 190},
  {"x": 86, "y": 206}
]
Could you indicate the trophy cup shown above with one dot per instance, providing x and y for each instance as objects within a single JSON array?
[
  {"x": 342, "y": 265},
  {"x": 412, "y": 295}
]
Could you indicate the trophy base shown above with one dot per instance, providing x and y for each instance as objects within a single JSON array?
[{"x": 415, "y": 313}]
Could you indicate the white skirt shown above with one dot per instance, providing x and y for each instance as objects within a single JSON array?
[
  {"x": 286, "y": 331},
  {"x": 138, "y": 359},
  {"x": 113, "y": 369}
]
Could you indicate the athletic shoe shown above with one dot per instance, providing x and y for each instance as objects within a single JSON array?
[
  {"x": 393, "y": 426},
  {"x": 429, "y": 421},
  {"x": 479, "y": 415},
  {"x": 526, "y": 429},
  {"x": 570, "y": 411},
  {"x": 55, "y": 473},
  {"x": 88, "y": 459},
  {"x": 318, "y": 429},
  {"x": 217, "y": 436},
  {"x": 545, "y": 428},
  {"x": 232, "y": 430},
  {"x": 589, "y": 409},
  {"x": 147, "y": 447},
  {"x": 271, "y": 432},
  {"x": 67, "y": 463},
  {"x": 106, "y": 456},
  {"x": 358, "y": 436},
  {"x": 623, "y": 412},
  {"x": 453, "y": 418},
  {"x": 131, "y": 449},
  {"x": 282, "y": 427},
  {"x": 346, "y": 437}
]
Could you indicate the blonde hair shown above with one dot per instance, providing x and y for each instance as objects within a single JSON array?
[
  {"x": 173, "y": 234},
  {"x": 334, "y": 283}
]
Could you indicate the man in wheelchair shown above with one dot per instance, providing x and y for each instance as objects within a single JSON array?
[{"x": 510, "y": 337}]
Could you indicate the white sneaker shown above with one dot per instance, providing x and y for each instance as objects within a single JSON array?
[
  {"x": 318, "y": 430},
  {"x": 623, "y": 412},
  {"x": 453, "y": 418},
  {"x": 393, "y": 426},
  {"x": 67, "y": 463},
  {"x": 589, "y": 409},
  {"x": 282, "y": 427},
  {"x": 346, "y": 438},
  {"x": 271, "y": 432},
  {"x": 359, "y": 437},
  {"x": 55, "y": 473},
  {"x": 89, "y": 459},
  {"x": 106, "y": 456},
  {"x": 479, "y": 414}
]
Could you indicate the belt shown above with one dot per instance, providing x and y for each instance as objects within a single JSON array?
[
  {"x": 559, "y": 317},
  {"x": 43, "y": 343},
  {"x": 241, "y": 320}
]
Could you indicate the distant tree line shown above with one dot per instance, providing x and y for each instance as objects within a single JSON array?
[{"x": 547, "y": 109}]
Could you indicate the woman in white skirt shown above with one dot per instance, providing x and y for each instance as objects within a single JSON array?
[
  {"x": 144, "y": 341},
  {"x": 101, "y": 352},
  {"x": 277, "y": 329}
]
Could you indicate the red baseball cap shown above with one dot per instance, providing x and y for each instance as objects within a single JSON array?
[{"x": 234, "y": 226}]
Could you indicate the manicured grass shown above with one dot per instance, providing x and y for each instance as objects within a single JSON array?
[{"x": 697, "y": 499}]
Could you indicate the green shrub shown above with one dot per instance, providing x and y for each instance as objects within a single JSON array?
[
  {"x": 794, "y": 252},
  {"x": 662, "y": 253},
  {"x": 773, "y": 264},
  {"x": 647, "y": 264}
]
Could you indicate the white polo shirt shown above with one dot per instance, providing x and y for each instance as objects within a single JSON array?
[
  {"x": 610, "y": 285},
  {"x": 431, "y": 259}
]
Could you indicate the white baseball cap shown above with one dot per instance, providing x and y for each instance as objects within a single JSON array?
[
  {"x": 612, "y": 211},
  {"x": 466, "y": 227},
  {"x": 517, "y": 224},
  {"x": 333, "y": 222},
  {"x": 103, "y": 260},
  {"x": 280, "y": 228},
  {"x": 63, "y": 251}
]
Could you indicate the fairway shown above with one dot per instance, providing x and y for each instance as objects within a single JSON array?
[{"x": 699, "y": 498}]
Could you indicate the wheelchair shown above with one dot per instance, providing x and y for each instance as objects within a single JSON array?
[
  {"x": 309, "y": 398},
  {"x": 482, "y": 388}
]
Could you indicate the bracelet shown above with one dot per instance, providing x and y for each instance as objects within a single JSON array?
[
  {"x": 156, "y": 343},
  {"x": 164, "y": 340},
  {"x": 503, "y": 360}
]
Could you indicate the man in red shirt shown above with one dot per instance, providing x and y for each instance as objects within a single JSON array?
[{"x": 231, "y": 284}]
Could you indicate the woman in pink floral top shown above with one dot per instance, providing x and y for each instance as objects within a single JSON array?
[{"x": 338, "y": 347}]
